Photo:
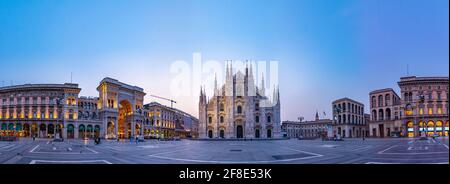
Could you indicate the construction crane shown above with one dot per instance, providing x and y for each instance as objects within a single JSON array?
[{"x": 171, "y": 101}]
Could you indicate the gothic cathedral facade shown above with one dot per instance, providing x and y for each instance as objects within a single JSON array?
[{"x": 239, "y": 109}]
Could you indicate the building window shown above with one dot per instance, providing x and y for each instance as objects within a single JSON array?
[
  {"x": 430, "y": 111},
  {"x": 257, "y": 119},
  {"x": 239, "y": 109},
  {"x": 210, "y": 119},
  {"x": 374, "y": 101},
  {"x": 221, "y": 119},
  {"x": 439, "y": 110},
  {"x": 387, "y": 99},
  {"x": 421, "y": 111},
  {"x": 269, "y": 119}
]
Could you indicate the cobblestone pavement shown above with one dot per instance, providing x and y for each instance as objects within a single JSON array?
[{"x": 349, "y": 151}]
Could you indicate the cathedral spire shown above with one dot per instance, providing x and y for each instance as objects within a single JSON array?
[
  {"x": 317, "y": 115},
  {"x": 228, "y": 70},
  {"x": 215, "y": 84},
  {"x": 251, "y": 70},
  {"x": 263, "y": 89}
]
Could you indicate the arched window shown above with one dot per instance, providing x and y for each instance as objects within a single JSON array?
[
  {"x": 210, "y": 119},
  {"x": 381, "y": 115},
  {"x": 221, "y": 119},
  {"x": 257, "y": 119},
  {"x": 269, "y": 119},
  {"x": 239, "y": 109},
  {"x": 388, "y": 114},
  {"x": 380, "y": 101},
  {"x": 387, "y": 98}
]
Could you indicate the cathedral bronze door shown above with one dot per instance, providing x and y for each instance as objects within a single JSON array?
[
  {"x": 210, "y": 134},
  {"x": 239, "y": 132}
]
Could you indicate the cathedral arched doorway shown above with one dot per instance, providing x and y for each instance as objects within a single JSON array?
[
  {"x": 125, "y": 112},
  {"x": 269, "y": 133},
  {"x": 222, "y": 134},
  {"x": 239, "y": 132},
  {"x": 257, "y": 133}
]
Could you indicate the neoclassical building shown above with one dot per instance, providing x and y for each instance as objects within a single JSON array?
[
  {"x": 57, "y": 111},
  {"x": 39, "y": 110},
  {"x": 386, "y": 114},
  {"x": 421, "y": 110},
  {"x": 166, "y": 122},
  {"x": 121, "y": 109},
  {"x": 308, "y": 129},
  {"x": 239, "y": 109}
]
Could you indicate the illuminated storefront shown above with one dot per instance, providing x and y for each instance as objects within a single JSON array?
[{"x": 410, "y": 129}]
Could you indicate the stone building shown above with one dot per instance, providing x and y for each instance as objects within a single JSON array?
[
  {"x": 166, "y": 122},
  {"x": 422, "y": 109},
  {"x": 319, "y": 128},
  {"x": 121, "y": 109},
  {"x": 239, "y": 109},
  {"x": 57, "y": 111},
  {"x": 89, "y": 121},
  {"x": 385, "y": 113},
  {"x": 349, "y": 118},
  {"x": 39, "y": 110}
]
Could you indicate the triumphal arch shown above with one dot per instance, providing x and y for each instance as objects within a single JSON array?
[{"x": 121, "y": 109}]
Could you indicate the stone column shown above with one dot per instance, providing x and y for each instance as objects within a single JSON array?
[
  {"x": 64, "y": 132},
  {"x": 76, "y": 131},
  {"x": 105, "y": 127},
  {"x": 142, "y": 129},
  {"x": 133, "y": 126},
  {"x": 46, "y": 131}
]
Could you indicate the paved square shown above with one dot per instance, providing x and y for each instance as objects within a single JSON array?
[{"x": 354, "y": 151}]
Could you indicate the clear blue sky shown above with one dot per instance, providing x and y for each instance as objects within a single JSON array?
[{"x": 327, "y": 49}]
